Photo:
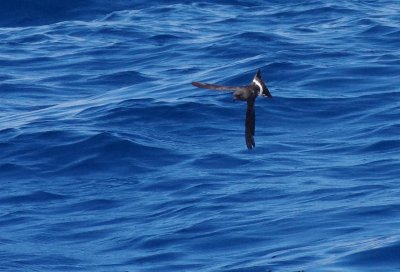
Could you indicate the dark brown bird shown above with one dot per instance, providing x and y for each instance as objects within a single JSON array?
[{"x": 245, "y": 93}]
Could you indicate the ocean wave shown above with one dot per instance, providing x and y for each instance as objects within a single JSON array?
[
  {"x": 377, "y": 255},
  {"x": 34, "y": 197},
  {"x": 25, "y": 12}
]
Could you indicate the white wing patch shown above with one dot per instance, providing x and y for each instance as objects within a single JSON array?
[{"x": 255, "y": 81}]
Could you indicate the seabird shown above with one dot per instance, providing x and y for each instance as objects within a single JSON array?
[{"x": 245, "y": 93}]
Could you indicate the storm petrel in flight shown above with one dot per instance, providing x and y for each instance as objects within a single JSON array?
[{"x": 245, "y": 93}]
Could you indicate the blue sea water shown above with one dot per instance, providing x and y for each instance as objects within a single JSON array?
[{"x": 110, "y": 160}]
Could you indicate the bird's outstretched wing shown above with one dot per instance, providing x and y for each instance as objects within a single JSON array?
[
  {"x": 216, "y": 87},
  {"x": 250, "y": 124}
]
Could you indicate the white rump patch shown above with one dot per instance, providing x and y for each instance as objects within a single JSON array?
[{"x": 259, "y": 85}]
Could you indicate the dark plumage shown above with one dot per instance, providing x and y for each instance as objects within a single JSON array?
[{"x": 245, "y": 93}]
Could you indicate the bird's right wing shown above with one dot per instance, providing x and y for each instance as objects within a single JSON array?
[
  {"x": 250, "y": 124},
  {"x": 216, "y": 87}
]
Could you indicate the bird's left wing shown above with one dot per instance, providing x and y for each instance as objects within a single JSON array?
[{"x": 216, "y": 87}]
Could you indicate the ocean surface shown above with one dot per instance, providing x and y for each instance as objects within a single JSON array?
[{"x": 110, "y": 160}]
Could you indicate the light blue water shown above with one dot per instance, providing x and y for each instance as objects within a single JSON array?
[{"x": 111, "y": 161}]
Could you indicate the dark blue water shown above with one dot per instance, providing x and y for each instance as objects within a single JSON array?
[{"x": 111, "y": 161}]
